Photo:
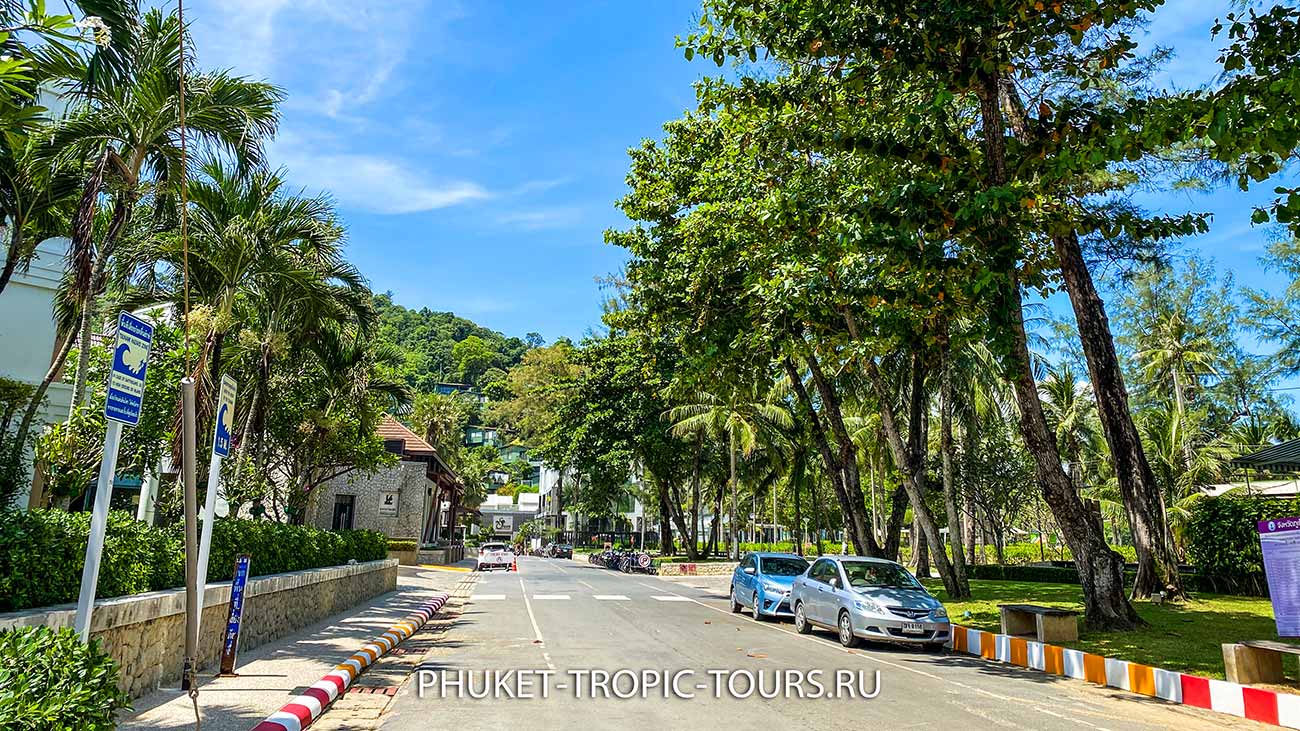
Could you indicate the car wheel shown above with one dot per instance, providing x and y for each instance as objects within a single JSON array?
[
  {"x": 801, "y": 620},
  {"x": 934, "y": 646},
  {"x": 847, "y": 638},
  {"x": 735, "y": 604},
  {"x": 758, "y": 614}
]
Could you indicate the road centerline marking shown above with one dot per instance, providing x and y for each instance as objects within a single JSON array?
[
  {"x": 610, "y": 598},
  {"x": 537, "y": 631},
  {"x": 672, "y": 598}
]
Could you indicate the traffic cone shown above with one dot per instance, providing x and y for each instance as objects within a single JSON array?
[{"x": 514, "y": 565}]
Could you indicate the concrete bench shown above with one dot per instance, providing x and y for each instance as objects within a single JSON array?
[
  {"x": 1045, "y": 624},
  {"x": 1256, "y": 661}
]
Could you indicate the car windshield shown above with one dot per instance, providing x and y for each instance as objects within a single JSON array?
[
  {"x": 494, "y": 546},
  {"x": 782, "y": 566},
  {"x": 869, "y": 574}
]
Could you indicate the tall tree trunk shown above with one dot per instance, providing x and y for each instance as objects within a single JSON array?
[
  {"x": 945, "y": 449},
  {"x": 918, "y": 444},
  {"x": 666, "y": 547},
  {"x": 34, "y": 406},
  {"x": 863, "y": 542},
  {"x": 98, "y": 275},
  {"x": 1156, "y": 558},
  {"x": 816, "y": 515},
  {"x": 894, "y": 527},
  {"x": 855, "y": 513},
  {"x": 733, "y": 548},
  {"x": 11, "y": 256},
  {"x": 1100, "y": 568},
  {"x": 969, "y": 447},
  {"x": 795, "y": 479},
  {"x": 914, "y": 474}
]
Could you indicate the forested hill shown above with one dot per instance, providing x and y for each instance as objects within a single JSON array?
[{"x": 441, "y": 347}]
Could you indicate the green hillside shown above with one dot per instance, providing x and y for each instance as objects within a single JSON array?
[{"x": 441, "y": 347}]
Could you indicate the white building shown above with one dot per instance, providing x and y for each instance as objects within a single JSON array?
[{"x": 27, "y": 331}]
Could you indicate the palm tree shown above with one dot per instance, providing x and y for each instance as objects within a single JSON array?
[
  {"x": 748, "y": 417},
  {"x": 33, "y": 200},
  {"x": 267, "y": 266},
  {"x": 1072, "y": 413},
  {"x": 1173, "y": 349},
  {"x": 131, "y": 128}
]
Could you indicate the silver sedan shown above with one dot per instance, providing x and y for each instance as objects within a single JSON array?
[{"x": 868, "y": 598}]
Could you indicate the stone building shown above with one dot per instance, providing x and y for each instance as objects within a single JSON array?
[{"x": 414, "y": 499}]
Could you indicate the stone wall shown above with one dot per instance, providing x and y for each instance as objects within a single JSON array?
[
  {"x": 145, "y": 633},
  {"x": 440, "y": 556},
  {"x": 408, "y": 479}
]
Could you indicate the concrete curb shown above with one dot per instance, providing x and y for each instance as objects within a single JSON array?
[
  {"x": 299, "y": 713},
  {"x": 1256, "y": 704}
]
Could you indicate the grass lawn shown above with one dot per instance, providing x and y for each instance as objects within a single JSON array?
[{"x": 1183, "y": 637}]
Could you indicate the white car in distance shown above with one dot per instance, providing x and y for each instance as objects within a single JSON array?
[{"x": 495, "y": 556}]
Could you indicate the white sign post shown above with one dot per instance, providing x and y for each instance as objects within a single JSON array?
[
  {"x": 225, "y": 417},
  {"x": 122, "y": 405}
]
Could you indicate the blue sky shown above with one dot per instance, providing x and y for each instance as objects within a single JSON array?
[{"x": 475, "y": 149}]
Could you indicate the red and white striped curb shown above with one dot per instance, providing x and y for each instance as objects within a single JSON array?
[
  {"x": 1256, "y": 704},
  {"x": 299, "y": 713}
]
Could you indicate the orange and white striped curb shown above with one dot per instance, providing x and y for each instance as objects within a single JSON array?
[
  {"x": 1256, "y": 704},
  {"x": 299, "y": 713}
]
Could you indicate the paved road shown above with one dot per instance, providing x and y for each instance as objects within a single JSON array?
[{"x": 564, "y": 616}]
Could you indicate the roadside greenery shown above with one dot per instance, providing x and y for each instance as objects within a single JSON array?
[
  {"x": 50, "y": 679},
  {"x": 832, "y": 315},
  {"x": 1183, "y": 637},
  {"x": 51, "y": 545}
]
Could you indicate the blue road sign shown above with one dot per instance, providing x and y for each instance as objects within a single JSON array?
[
  {"x": 225, "y": 417},
  {"x": 130, "y": 361},
  {"x": 235, "y": 616}
]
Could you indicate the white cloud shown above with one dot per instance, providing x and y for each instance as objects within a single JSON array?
[
  {"x": 541, "y": 218},
  {"x": 377, "y": 184}
]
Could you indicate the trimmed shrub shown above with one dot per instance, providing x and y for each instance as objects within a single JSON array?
[
  {"x": 1049, "y": 574},
  {"x": 50, "y": 680},
  {"x": 1223, "y": 541},
  {"x": 51, "y": 545},
  {"x": 403, "y": 545}
]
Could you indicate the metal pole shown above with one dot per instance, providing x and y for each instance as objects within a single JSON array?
[
  {"x": 205, "y": 543},
  {"x": 191, "y": 536},
  {"x": 98, "y": 525}
]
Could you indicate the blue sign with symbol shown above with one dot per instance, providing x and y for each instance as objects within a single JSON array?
[
  {"x": 230, "y": 643},
  {"x": 225, "y": 417},
  {"x": 125, "y": 395}
]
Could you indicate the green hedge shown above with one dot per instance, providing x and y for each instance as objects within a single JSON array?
[
  {"x": 1193, "y": 582},
  {"x": 1223, "y": 541},
  {"x": 403, "y": 545},
  {"x": 49, "y": 679},
  {"x": 42, "y": 553}
]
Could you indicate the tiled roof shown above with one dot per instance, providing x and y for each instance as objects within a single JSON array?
[{"x": 391, "y": 429}]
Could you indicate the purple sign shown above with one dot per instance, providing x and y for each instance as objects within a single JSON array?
[{"x": 1279, "y": 539}]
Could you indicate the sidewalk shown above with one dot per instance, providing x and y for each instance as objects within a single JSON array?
[{"x": 272, "y": 674}]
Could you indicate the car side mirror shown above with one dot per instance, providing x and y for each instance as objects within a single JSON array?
[
  {"x": 749, "y": 570},
  {"x": 834, "y": 581}
]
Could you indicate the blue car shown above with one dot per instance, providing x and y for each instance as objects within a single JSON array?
[{"x": 762, "y": 583}]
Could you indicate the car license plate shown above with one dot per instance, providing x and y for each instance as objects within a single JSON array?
[{"x": 913, "y": 628}]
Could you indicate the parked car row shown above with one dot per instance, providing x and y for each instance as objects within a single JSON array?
[{"x": 857, "y": 597}]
